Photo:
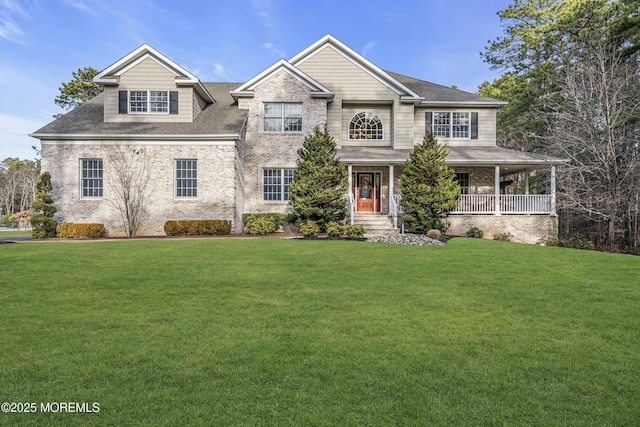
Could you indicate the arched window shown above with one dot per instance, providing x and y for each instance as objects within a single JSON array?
[{"x": 366, "y": 125}]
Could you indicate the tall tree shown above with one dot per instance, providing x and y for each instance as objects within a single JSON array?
[
  {"x": 597, "y": 126},
  {"x": 129, "y": 175},
  {"x": 570, "y": 76},
  {"x": 429, "y": 187},
  {"x": 17, "y": 184},
  {"x": 319, "y": 181},
  {"x": 79, "y": 90}
]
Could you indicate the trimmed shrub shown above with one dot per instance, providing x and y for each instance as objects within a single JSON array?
[
  {"x": 309, "y": 229},
  {"x": 570, "y": 243},
  {"x": 193, "y": 227},
  {"x": 80, "y": 231},
  {"x": 277, "y": 218},
  {"x": 353, "y": 232},
  {"x": 260, "y": 225},
  {"x": 43, "y": 227},
  {"x": 334, "y": 230},
  {"x": 475, "y": 232},
  {"x": 504, "y": 237},
  {"x": 434, "y": 234}
]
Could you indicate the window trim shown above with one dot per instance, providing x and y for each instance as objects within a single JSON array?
[
  {"x": 187, "y": 187},
  {"x": 284, "y": 186},
  {"x": 100, "y": 179},
  {"x": 282, "y": 117},
  {"x": 378, "y": 136}
]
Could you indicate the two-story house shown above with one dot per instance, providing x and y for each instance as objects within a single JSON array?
[{"x": 218, "y": 150}]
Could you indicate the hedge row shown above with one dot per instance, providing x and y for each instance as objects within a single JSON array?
[
  {"x": 80, "y": 231},
  {"x": 193, "y": 227}
]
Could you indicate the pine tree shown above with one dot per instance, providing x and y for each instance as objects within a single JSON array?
[
  {"x": 319, "y": 182},
  {"x": 429, "y": 187}
]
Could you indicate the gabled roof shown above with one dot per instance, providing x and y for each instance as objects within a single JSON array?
[
  {"x": 111, "y": 74},
  {"x": 438, "y": 95},
  {"x": 221, "y": 120},
  {"x": 317, "y": 90},
  {"x": 330, "y": 42}
]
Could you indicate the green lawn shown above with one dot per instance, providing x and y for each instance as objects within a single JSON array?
[
  {"x": 305, "y": 333},
  {"x": 14, "y": 233}
]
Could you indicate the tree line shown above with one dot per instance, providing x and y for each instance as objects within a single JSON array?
[
  {"x": 571, "y": 75},
  {"x": 17, "y": 184}
]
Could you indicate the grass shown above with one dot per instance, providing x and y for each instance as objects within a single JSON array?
[
  {"x": 14, "y": 233},
  {"x": 280, "y": 332}
]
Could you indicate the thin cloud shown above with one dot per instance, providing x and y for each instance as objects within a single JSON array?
[
  {"x": 273, "y": 50},
  {"x": 82, "y": 6},
  {"x": 264, "y": 10},
  {"x": 220, "y": 72},
  {"x": 368, "y": 49},
  {"x": 9, "y": 11}
]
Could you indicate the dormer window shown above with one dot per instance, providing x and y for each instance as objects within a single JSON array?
[{"x": 148, "y": 102}]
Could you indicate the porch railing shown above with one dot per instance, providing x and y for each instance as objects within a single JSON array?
[{"x": 508, "y": 204}]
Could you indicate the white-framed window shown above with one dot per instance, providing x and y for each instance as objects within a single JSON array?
[
  {"x": 454, "y": 125},
  {"x": 282, "y": 117},
  {"x": 149, "y": 101},
  {"x": 186, "y": 178},
  {"x": 91, "y": 181},
  {"x": 366, "y": 125},
  {"x": 275, "y": 184},
  {"x": 463, "y": 182}
]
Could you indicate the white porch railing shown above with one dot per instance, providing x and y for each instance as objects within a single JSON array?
[
  {"x": 521, "y": 204},
  {"x": 394, "y": 209}
]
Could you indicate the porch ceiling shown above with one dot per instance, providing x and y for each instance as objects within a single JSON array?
[{"x": 510, "y": 161}]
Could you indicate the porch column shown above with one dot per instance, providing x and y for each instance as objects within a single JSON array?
[
  {"x": 526, "y": 182},
  {"x": 497, "y": 190},
  {"x": 553, "y": 190},
  {"x": 350, "y": 183},
  {"x": 391, "y": 200}
]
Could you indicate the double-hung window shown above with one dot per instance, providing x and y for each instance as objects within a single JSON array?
[
  {"x": 149, "y": 101},
  {"x": 186, "y": 178},
  {"x": 275, "y": 184},
  {"x": 452, "y": 125},
  {"x": 463, "y": 182},
  {"x": 282, "y": 117},
  {"x": 91, "y": 181}
]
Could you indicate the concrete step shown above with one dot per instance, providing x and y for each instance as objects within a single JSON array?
[{"x": 375, "y": 223}]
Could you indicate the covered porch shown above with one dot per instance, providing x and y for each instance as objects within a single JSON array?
[{"x": 483, "y": 173}]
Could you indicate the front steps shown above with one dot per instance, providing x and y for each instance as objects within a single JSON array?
[{"x": 375, "y": 223}]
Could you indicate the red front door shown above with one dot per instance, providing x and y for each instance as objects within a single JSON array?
[{"x": 366, "y": 192}]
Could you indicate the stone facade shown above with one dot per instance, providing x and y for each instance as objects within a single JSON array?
[
  {"x": 275, "y": 149},
  {"x": 216, "y": 171},
  {"x": 524, "y": 228}
]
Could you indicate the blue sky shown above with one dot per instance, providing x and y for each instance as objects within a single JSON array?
[{"x": 43, "y": 41}]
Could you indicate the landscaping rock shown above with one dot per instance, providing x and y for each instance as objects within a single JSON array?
[{"x": 405, "y": 239}]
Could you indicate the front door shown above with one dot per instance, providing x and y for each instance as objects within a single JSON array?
[{"x": 367, "y": 191}]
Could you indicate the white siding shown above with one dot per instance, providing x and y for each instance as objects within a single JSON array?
[
  {"x": 148, "y": 75},
  {"x": 486, "y": 126}
]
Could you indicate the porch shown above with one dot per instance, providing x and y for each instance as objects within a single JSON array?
[{"x": 489, "y": 178}]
